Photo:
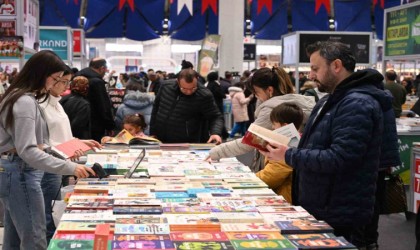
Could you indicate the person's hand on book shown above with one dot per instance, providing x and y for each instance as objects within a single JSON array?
[
  {"x": 82, "y": 171},
  {"x": 215, "y": 138},
  {"x": 77, "y": 155},
  {"x": 276, "y": 151},
  {"x": 92, "y": 144}
]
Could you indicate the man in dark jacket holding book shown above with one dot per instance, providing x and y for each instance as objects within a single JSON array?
[
  {"x": 336, "y": 162},
  {"x": 185, "y": 111}
]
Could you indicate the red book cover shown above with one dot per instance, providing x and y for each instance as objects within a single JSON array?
[
  {"x": 101, "y": 237},
  {"x": 258, "y": 137},
  {"x": 67, "y": 149}
]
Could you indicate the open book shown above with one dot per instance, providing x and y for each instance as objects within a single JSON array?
[
  {"x": 67, "y": 149},
  {"x": 258, "y": 137},
  {"x": 124, "y": 137}
]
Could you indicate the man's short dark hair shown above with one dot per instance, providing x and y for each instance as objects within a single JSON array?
[
  {"x": 188, "y": 75},
  {"x": 228, "y": 74},
  {"x": 391, "y": 75},
  {"x": 96, "y": 64},
  {"x": 331, "y": 51}
]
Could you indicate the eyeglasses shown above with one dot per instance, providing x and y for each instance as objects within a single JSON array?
[{"x": 65, "y": 82}]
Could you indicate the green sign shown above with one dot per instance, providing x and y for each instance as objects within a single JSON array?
[
  {"x": 402, "y": 34},
  {"x": 405, "y": 145},
  {"x": 55, "y": 40}
]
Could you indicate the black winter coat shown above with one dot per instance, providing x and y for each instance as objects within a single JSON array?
[
  {"x": 77, "y": 109},
  {"x": 180, "y": 118},
  {"x": 337, "y": 160},
  {"x": 100, "y": 104}
]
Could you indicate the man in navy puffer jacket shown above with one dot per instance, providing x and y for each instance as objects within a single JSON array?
[{"x": 337, "y": 160}]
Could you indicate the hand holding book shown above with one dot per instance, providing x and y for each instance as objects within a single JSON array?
[{"x": 276, "y": 151}]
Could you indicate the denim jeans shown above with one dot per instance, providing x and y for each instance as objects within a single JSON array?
[
  {"x": 239, "y": 126},
  {"x": 50, "y": 184},
  {"x": 24, "y": 214}
]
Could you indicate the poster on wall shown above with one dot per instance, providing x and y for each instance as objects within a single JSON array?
[
  {"x": 11, "y": 46},
  {"x": 7, "y": 27},
  {"x": 402, "y": 32},
  {"x": 7, "y": 8},
  {"x": 208, "y": 54},
  {"x": 30, "y": 25},
  {"x": 357, "y": 42},
  {"x": 268, "y": 61}
]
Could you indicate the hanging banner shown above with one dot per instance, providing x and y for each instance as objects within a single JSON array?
[
  {"x": 57, "y": 40},
  {"x": 79, "y": 47},
  {"x": 208, "y": 54},
  {"x": 402, "y": 31}
]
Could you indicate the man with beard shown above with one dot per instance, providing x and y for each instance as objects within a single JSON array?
[
  {"x": 336, "y": 162},
  {"x": 102, "y": 121}
]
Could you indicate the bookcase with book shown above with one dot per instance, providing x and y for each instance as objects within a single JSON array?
[{"x": 201, "y": 206}]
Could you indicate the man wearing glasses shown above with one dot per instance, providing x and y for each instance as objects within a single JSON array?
[
  {"x": 102, "y": 120},
  {"x": 185, "y": 111}
]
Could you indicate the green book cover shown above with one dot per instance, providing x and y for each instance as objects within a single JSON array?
[{"x": 263, "y": 244}]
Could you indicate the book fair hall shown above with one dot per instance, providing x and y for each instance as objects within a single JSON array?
[{"x": 209, "y": 124}]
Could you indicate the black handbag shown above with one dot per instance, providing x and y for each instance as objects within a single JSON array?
[{"x": 395, "y": 200}]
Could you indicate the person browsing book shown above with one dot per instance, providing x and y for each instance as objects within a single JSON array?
[
  {"x": 276, "y": 174},
  {"x": 59, "y": 132},
  {"x": 185, "y": 111},
  {"x": 24, "y": 149},
  {"x": 271, "y": 87},
  {"x": 336, "y": 162},
  {"x": 135, "y": 124}
]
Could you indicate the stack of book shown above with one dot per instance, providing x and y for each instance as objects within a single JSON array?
[{"x": 187, "y": 203}]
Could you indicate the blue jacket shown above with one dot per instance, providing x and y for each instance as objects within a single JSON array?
[
  {"x": 337, "y": 160},
  {"x": 135, "y": 102}
]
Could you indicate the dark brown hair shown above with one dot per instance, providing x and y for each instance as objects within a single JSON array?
[
  {"x": 136, "y": 120},
  {"x": 188, "y": 75},
  {"x": 275, "y": 77},
  {"x": 31, "y": 79},
  {"x": 287, "y": 112}
]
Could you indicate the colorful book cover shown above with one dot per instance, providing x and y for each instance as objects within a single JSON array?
[
  {"x": 67, "y": 236},
  {"x": 202, "y": 245},
  {"x": 57, "y": 244},
  {"x": 138, "y": 210},
  {"x": 326, "y": 243},
  {"x": 259, "y": 137},
  {"x": 122, "y": 237},
  {"x": 142, "y": 228},
  {"x": 255, "y": 236},
  {"x": 143, "y": 244},
  {"x": 171, "y": 195},
  {"x": 187, "y": 210},
  {"x": 140, "y": 219},
  {"x": 263, "y": 244},
  {"x": 309, "y": 236},
  {"x": 198, "y": 236},
  {"x": 269, "y": 201},
  {"x": 137, "y": 202},
  {"x": 78, "y": 227},
  {"x": 303, "y": 226},
  {"x": 249, "y": 227}
]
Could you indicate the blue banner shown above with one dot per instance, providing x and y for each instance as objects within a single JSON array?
[
  {"x": 59, "y": 13},
  {"x": 141, "y": 21},
  {"x": 352, "y": 15},
  {"x": 266, "y": 25},
  {"x": 192, "y": 26},
  {"x": 379, "y": 15},
  {"x": 305, "y": 18}
]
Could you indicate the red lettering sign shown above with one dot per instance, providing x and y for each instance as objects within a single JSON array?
[
  {"x": 417, "y": 185},
  {"x": 77, "y": 36},
  {"x": 417, "y": 166}
]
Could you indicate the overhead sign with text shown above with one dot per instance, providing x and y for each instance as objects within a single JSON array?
[
  {"x": 402, "y": 31},
  {"x": 57, "y": 40}
]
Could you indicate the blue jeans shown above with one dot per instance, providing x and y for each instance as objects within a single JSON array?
[
  {"x": 50, "y": 184},
  {"x": 21, "y": 195},
  {"x": 239, "y": 126}
]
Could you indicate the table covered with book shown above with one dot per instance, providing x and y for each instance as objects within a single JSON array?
[{"x": 179, "y": 201}]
